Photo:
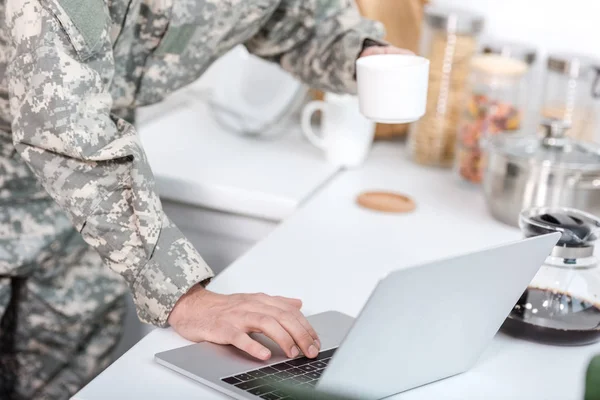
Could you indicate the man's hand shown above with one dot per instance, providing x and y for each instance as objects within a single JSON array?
[
  {"x": 201, "y": 315},
  {"x": 374, "y": 50}
]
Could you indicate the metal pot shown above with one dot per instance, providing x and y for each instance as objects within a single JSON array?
[{"x": 553, "y": 170}]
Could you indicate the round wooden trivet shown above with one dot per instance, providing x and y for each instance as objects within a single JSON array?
[{"x": 386, "y": 202}]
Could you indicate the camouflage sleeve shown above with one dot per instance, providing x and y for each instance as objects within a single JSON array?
[
  {"x": 317, "y": 41},
  {"x": 89, "y": 161}
]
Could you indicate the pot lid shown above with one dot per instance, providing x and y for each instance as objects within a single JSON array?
[{"x": 553, "y": 148}]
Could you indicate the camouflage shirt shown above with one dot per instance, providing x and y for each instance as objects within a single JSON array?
[{"x": 75, "y": 69}]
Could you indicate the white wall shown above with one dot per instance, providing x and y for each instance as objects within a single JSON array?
[
  {"x": 571, "y": 25},
  {"x": 548, "y": 25}
]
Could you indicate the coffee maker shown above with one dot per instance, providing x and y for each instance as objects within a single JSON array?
[{"x": 561, "y": 305}]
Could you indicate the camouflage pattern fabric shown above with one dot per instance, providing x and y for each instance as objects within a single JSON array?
[
  {"x": 70, "y": 310},
  {"x": 63, "y": 88},
  {"x": 72, "y": 74}
]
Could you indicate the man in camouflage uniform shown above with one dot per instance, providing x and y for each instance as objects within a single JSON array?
[{"x": 78, "y": 194}]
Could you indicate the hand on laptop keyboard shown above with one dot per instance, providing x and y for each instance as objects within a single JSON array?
[{"x": 201, "y": 315}]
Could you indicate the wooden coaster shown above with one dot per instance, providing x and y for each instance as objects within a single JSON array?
[{"x": 386, "y": 202}]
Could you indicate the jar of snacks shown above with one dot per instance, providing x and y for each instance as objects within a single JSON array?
[
  {"x": 450, "y": 40},
  {"x": 495, "y": 104},
  {"x": 528, "y": 54},
  {"x": 572, "y": 94}
]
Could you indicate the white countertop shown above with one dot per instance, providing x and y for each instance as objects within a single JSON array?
[
  {"x": 331, "y": 253},
  {"x": 260, "y": 178}
]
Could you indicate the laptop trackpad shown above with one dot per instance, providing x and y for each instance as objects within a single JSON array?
[{"x": 211, "y": 361}]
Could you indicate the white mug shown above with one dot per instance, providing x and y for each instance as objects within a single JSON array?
[
  {"x": 346, "y": 135},
  {"x": 392, "y": 88}
]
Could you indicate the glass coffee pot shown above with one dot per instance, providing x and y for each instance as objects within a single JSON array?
[{"x": 561, "y": 305}]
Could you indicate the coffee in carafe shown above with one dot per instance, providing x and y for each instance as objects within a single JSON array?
[{"x": 561, "y": 304}]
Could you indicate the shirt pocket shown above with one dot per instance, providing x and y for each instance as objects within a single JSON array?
[
  {"x": 166, "y": 72},
  {"x": 85, "y": 23},
  {"x": 183, "y": 53},
  {"x": 198, "y": 33},
  {"x": 176, "y": 39}
]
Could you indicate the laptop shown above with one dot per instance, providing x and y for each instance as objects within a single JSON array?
[{"x": 420, "y": 325}]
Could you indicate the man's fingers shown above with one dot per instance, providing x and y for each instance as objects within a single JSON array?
[
  {"x": 265, "y": 298},
  {"x": 275, "y": 302},
  {"x": 242, "y": 341},
  {"x": 397, "y": 50},
  {"x": 311, "y": 331},
  {"x": 298, "y": 332},
  {"x": 274, "y": 330},
  {"x": 288, "y": 300},
  {"x": 375, "y": 50}
]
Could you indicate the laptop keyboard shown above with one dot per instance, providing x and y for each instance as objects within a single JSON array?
[{"x": 302, "y": 372}]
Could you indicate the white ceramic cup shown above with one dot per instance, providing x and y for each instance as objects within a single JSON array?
[
  {"x": 346, "y": 135},
  {"x": 392, "y": 88}
]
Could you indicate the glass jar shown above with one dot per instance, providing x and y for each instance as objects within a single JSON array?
[
  {"x": 449, "y": 39},
  {"x": 528, "y": 54},
  {"x": 561, "y": 305},
  {"x": 495, "y": 104},
  {"x": 571, "y": 93}
]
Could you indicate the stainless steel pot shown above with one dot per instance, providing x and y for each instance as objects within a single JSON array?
[{"x": 526, "y": 171}]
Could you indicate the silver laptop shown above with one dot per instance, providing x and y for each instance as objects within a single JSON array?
[{"x": 420, "y": 325}]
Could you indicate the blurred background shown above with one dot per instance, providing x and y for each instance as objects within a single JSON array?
[{"x": 550, "y": 25}]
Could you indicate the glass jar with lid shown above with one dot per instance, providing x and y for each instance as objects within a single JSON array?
[
  {"x": 528, "y": 54},
  {"x": 561, "y": 305},
  {"x": 496, "y": 103},
  {"x": 572, "y": 93},
  {"x": 449, "y": 39}
]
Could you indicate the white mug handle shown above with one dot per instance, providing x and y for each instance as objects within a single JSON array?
[{"x": 307, "y": 113}]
